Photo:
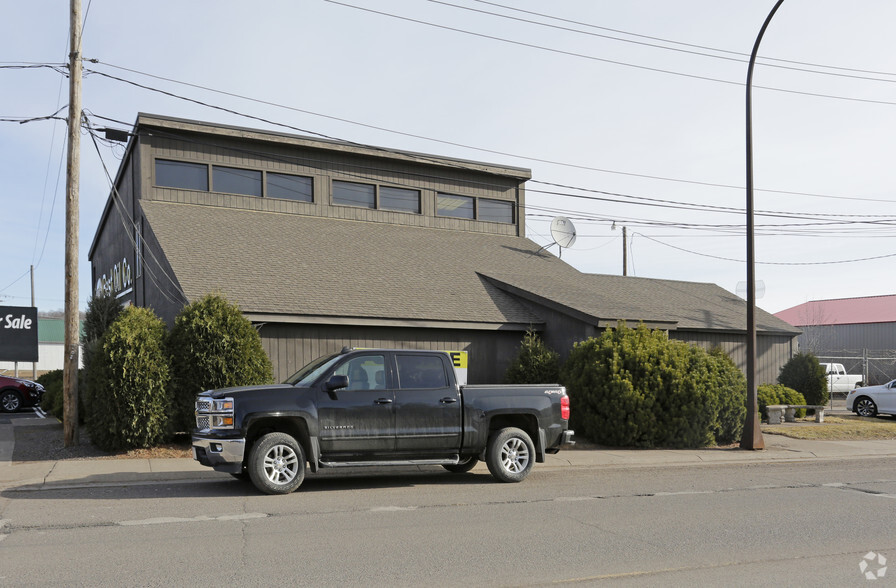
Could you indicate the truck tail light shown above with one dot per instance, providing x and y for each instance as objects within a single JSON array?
[{"x": 564, "y": 408}]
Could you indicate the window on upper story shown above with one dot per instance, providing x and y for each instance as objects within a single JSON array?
[
  {"x": 290, "y": 187},
  {"x": 234, "y": 180},
  {"x": 180, "y": 174},
  {"x": 497, "y": 211},
  {"x": 400, "y": 199},
  {"x": 456, "y": 206},
  {"x": 354, "y": 194}
]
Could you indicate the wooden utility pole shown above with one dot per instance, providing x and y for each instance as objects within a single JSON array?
[{"x": 73, "y": 178}]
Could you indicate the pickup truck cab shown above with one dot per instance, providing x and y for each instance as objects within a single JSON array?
[
  {"x": 377, "y": 407},
  {"x": 838, "y": 380}
]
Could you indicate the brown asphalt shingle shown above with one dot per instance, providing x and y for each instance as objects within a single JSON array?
[{"x": 312, "y": 266}]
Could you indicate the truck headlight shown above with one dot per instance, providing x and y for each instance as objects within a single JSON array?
[
  {"x": 225, "y": 405},
  {"x": 214, "y": 413},
  {"x": 222, "y": 422}
]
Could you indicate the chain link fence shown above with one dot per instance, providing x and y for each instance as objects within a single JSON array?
[{"x": 877, "y": 366}]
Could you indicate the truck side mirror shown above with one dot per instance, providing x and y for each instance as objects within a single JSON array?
[{"x": 337, "y": 382}]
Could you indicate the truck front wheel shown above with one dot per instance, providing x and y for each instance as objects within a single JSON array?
[
  {"x": 510, "y": 455},
  {"x": 276, "y": 464}
]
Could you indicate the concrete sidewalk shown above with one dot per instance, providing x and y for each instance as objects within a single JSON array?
[{"x": 47, "y": 475}]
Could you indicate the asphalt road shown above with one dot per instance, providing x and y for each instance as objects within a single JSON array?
[{"x": 805, "y": 524}]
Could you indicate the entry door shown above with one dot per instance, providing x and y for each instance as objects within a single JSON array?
[
  {"x": 427, "y": 409},
  {"x": 359, "y": 419}
]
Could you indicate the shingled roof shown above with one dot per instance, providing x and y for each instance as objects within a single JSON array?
[
  {"x": 667, "y": 304},
  {"x": 306, "y": 266}
]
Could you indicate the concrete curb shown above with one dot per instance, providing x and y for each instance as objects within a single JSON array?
[{"x": 49, "y": 475}]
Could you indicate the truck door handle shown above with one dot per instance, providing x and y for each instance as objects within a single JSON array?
[
  {"x": 448, "y": 400},
  {"x": 383, "y": 401}
]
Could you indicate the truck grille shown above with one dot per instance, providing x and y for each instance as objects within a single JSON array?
[{"x": 214, "y": 413}]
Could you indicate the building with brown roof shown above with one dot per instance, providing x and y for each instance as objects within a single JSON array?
[{"x": 324, "y": 244}]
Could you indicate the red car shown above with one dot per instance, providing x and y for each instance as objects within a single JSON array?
[{"x": 16, "y": 393}]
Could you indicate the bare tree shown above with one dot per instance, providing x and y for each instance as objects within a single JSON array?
[{"x": 815, "y": 323}]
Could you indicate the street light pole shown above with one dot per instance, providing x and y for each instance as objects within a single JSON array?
[{"x": 752, "y": 435}]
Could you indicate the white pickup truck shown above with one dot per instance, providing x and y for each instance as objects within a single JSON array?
[{"x": 838, "y": 380}]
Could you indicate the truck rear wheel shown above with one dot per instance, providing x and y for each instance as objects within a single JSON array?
[
  {"x": 276, "y": 464},
  {"x": 510, "y": 455}
]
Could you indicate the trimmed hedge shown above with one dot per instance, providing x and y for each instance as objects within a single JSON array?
[
  {"x": 636, "y": 388},
  {"x": 212, "y": 346},
  {"x": 131, "y": 366},
  {"x": 778, "y": 394},
  {"x": 535, "y": 363}
]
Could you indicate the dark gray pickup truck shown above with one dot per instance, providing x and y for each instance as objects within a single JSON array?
[{"x": 376, "y": 407}]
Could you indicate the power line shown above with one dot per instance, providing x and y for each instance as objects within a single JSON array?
[
  {"x": 781, "y": 263},
  {"x": 680, "y": 43},
  {"x": 431, "y": 139},
  {"x": 606, "y": 196},
  {"x": 612, "y": 61},
  {"x": 656, "y": 46},
  {"x": 130, "y": 226}
]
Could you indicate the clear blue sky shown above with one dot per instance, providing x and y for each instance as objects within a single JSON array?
[{"x": 630, "y": 112}]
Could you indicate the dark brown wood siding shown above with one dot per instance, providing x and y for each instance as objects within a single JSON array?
[
  {"x": 772, "y": 351},
  {"x": 291, "y": 346},
  {"x": 349, "y": 167}
]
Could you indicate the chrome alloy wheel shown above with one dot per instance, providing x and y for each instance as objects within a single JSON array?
[
  {"x": 10, "y": 402},
  {"x": 281, "y": 464},
  {"x": 515, "y": 455}
]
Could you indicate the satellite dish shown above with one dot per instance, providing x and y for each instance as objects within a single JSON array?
[
  {"x": 742, "y": 289},
  {"x": 563, "y": 232}
]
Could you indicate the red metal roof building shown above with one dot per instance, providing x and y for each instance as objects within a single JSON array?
[
  {"x": 860, "y": 333},
  {"x": 842, "y": 311}
]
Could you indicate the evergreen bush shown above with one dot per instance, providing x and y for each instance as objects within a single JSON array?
[
  {"x": 778, "y": 394},
  {"x": 535, "y": 363},
  {"x": 52, "y": 401},
  {"x": 730, "y": 387},
  {"x": 102, "y": 310},
  {"x": 212, "y": 346},
  {"x": 130, "y": 403},
  {"x": 804, "y": 374},
  {"x": 636, "y": 388}
]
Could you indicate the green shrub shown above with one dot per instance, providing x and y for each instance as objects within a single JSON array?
[
  {"x": 129, "y": 405},
  {"x": 730, "y": 387},
  {"x": 535, "y": 363},
  {"x": 212, "y": 346},
  {"x": 778, "y": 394},
  {"x": 637, "y": 388},
  {"x": 52, "y": 400},
  {"x": 804, "y": 374},
  {"x": 102, "y": 310}
]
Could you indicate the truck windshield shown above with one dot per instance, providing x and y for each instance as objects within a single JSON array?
[{"x": 309, "y": 373}]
